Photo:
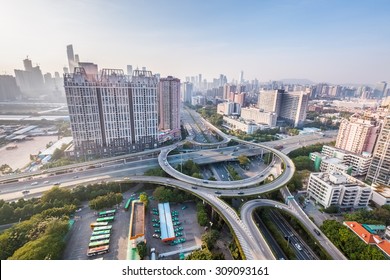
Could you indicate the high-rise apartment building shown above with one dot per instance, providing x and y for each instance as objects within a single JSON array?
[
  {"x": 30, "y": 80},
  {"x": 9, "y": 90},
  {"x": 358, "y": 134},
  {"x": 169, "y": 104},
  {"x": 112, "y": 113},
  {"x": 379, "y": 171},
  {"x": 227, "y": 89},
  {"x": 129, "y": 70}
]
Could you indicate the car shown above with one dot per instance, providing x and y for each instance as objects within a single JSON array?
[
  {"x": 157, "y": 231},
  {"x": 34, "y": 184},
  {"x": 194, "y": 188},
  {"x": 240, "y": 193},
  {"x": 317, "y": 232},
  {"x": 177, "y": 229},
  {"x": 25, "y": 192},
  {"x": 46, "y": 182},
  {"x": 155, "y": 209},
  {"x": 156, "y": 225},
  {"x": 155, "y": 220},
  {"x": 217, "y": 192},
  {"x": 178, "y": 234},
  {"x": 206, "y": 182},
  {"x": 75, "y": 177},
  {"x": 184, "y": 207},
  {"x": 155, "y": 235},
  {"x": 57, "y": 184},
  {"x": 298, "y": 246},
  {"x": 262, "y": 175}
]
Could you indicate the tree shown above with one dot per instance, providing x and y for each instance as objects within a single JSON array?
[
  {"x": 203, "y": 254},
  {"x": 142, "y": 249},
  {"x": 303, "y": 162},
  {"x": 209, "y": 238},
  {"x": 143, "y": 197},
  {"x": 243, "y": 160}
]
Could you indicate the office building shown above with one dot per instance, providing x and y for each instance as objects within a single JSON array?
[
  {"x": 240, "y": 124},
  {"x": 269, "y": 101},
  {"x": 9, "y": 90},
  {"x": 71, "y": 58},
  {"x": 293, "y": 107},
  {"x": 358, "y": 134},
  {"x": 169, "y": 104},
  {"x": 338, "y": 189},
  {"x": 30, "y": 80},
  {"x": 112, "y": 113},
  {"x": 379, "y": 171},
  {"x": 130, "y": 70},
  {"x": 239, "y": 98},
  {"x": 227, "y": 89},
  {"x": 187, "y": 92}
]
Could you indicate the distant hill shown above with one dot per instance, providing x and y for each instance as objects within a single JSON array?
[{"x": 297, "y": 81}]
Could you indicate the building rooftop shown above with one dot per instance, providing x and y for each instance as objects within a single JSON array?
[
  {"x": 369, "y": 238},
  {"x": 57, "y": 145},
  {"x": 382, "y": 190},
  {"x": 137, "y": 228},
  {"x": 166, "y": 225},
  {"x": 373, "y": 229}
]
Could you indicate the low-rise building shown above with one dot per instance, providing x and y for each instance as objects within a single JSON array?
[
  {"x": 380, "y": 194},
  {"x": 338, "y": 189},
  {"x": 257, "y": 116},
  {"x": 359, "y": 163},
  {"x": 240, "y": 124},
  {"x": 229, "y": 109}
]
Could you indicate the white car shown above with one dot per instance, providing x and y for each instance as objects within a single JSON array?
[{"x": 34, "y": 184}]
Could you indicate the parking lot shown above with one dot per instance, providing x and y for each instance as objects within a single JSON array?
[
  {"x": 191, "y": 231},
  {"x": 79, "y": 235}
]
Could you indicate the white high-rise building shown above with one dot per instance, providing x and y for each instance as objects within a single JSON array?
[
  {"x": 269, "y": 101},
  {"x": 112, "y": 113},
  {"x": 293, "y": 107}
]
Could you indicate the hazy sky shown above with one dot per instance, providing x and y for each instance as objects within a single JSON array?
[{"x": 321, "y": 40}]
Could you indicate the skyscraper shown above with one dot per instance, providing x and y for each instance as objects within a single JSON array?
[
  {"x": 379, "y": 171},
  {"x": 129, "y": 70},
  {"x": 71, "y": 58},
  {"x": 187, "y": 92},
  {"x": 169, "y": 104},
  {"x": 358, "y": 134},
  {"x": 30, "y": 80},
  {"x": 241, "y": 79},
  {"x": 112, "y": 113}
]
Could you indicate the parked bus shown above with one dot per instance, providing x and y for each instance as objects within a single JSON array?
[
  {"x": 99, "y": 243},
  {"x": 99, "y": 228},
  {"x": 107, "y": 213},
  {"x": 98, "y": 224},
  {"x": 105, "y": 219},
  {"x": 99, "y": 237},
  {"x": 128, "y": 203},
  {"x": 98, "y": 250},
  {"x": 100, "y": 232}
]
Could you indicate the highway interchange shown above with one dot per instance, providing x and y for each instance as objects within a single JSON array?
[{"x": 132, "y": 167}]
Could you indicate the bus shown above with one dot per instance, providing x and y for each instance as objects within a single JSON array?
[
  {"x": 100, "y": 232},
  {"x": 98, "y": 250},
  {"x": 99, "y": 237},
  {"x": 107, "y": 213},
  {"x": 105, "y": 219},
  {"x": 99, "y": 243},
  {"x": 108, "y": 227},
  {"x": 127, "y": 206},
  {"x": 99, "y": 224}
]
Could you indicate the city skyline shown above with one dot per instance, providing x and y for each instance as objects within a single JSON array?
[{"x": 325, "y": 41}]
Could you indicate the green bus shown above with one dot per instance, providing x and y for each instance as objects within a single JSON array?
[
  {"x": 99, "y": 224},
  {"x": 128, "y": 203},
  {"x": 99, "y": 237},
  {"x": 105, "y": 219},
  {"x": 100, "y": 232},
  {"x": 107, "y": 213},
  {"x": 107, "y": 227},
  {"x": 99, "y": 243}
]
